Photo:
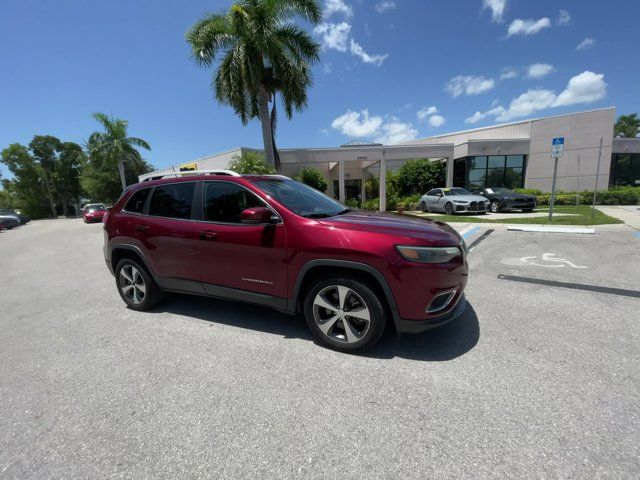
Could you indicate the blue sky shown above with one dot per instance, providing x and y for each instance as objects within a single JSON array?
[{"x": 390, "y": 70}]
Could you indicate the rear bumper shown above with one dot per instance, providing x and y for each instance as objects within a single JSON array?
[{"x": 417, "y": 326}]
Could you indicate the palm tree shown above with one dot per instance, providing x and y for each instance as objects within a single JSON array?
[
  {"x": 627, "y": 126},
  {"x": 114, "y": 143},
  {"x": 261, "y": 53}
]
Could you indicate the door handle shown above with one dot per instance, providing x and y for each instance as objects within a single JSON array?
[
  {"x": 142, "y": 228},
  {"x": 207, "y": 235}
]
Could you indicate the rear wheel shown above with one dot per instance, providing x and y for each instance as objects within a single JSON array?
[
  {"x": 495, "y": 206},
  {"x": 135, "y": 286},
  {"x": 448, "y": 208},
  {"x": 344, "y": 314}
]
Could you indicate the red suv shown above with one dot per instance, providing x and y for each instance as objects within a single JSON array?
[{"x": 272, "y": 241}]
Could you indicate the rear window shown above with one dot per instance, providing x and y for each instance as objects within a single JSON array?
[
  {"x": 172, "y": 201},
  {"x": 137, "y": 201}
]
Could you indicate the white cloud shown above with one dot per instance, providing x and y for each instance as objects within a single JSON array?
[
  {"x": 361, "y": 124},
  {"x": 468, "y": 85},
  {"x": 337, "y": 6},
  {"x": 527, "y": 27},
  {"x": 334, "y": 35},
  {"x": 327, "y": 67},
  {"x": 564, "y": 18},
  {"x": 396, "y": 131},
  {"x": 586, "y": 43},
  {"x": 385, "y": 5},
  {"x": 508, "y": 73},
  {"x": 358, "y": 51},
  {"x": 357, "y": 124},
  {"x": 436, "y": 120},
  {"x": 539, "y": 70},
  {"x": 497, "y": 9},
  {"x": 426, "y": 112},
  {"x": 586, "y": 87}
]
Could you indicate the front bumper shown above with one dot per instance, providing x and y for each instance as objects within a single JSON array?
[
  {"x": 473, "y": 207},
  {"x": 417, "y": 326},
  {"x": 527, "y": 205}
]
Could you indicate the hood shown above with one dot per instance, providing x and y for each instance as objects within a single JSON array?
[
  {"x": 467, "y": 198},
  {"x": 430, "y": 231},
  {"x": 516, "y": 196}
]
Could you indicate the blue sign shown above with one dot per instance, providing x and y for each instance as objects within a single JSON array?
[{"x": 557, "y": 146}]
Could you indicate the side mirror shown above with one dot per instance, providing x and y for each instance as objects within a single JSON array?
[{"x": 256, "y": 216}]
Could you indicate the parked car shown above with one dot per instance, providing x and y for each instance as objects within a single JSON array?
[
  {"x": 93, "y": 212},
  {"x": 453, "y": 200},
  {"x": 272, "y": 241},
  {"x": 23, "y": 218},
  {"x": 505, "y": 199},
  {"x": 9, "y": 221}
]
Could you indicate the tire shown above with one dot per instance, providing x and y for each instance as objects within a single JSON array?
[
  {"x": 136, "y": 287},
  {"x": 325, "y": 315},
  {"x": 495, "y": 206},
  {"x": 423, "y": 207},
  {"x": 448, "y": 208},
  {"x": 84, "y": 220}
]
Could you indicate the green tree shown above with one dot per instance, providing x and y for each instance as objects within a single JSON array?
[
  {"x": 251, "y": 163},
  {"x": 27, "y": 186},
  {"x": 627, "y": 126},
  {"x": 45, "y": 151},
  {"x": 66, "y": 176},
  {"x": 420, "y": 175},
  {"x": 312, "y": 177},
  {"x": 100, "y": 178},
  {"x": 262, "y": 53},
  {"x": 114, "y": 146}
]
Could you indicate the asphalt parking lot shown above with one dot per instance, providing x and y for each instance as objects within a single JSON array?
[{"x": 539, "y": 379}]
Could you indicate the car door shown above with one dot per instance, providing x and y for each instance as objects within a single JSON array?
[
  {"x": 166, "y": 231},
  {"x": 437, "y": 203},
  {"x": 235, "y": 255},
  {"x": 429, "y": 198}
]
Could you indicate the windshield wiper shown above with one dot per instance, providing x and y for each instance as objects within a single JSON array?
[
  {"x": 346, "y": 210},
  {"x": 316, "y": 215}
]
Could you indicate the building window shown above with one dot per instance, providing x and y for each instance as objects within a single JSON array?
[
  {"x": 625, "y": 170},
  {"x": 352, "y": 189},
  {"x": 495, "y": 171}
]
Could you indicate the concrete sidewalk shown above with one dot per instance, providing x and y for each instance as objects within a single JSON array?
[{"x": 629, "y": 214}]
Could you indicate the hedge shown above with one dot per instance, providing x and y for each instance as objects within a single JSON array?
[{"x": 613, "y": 196}]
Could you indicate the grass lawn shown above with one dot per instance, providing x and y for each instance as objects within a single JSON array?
[{"x": 582, "y": 215}]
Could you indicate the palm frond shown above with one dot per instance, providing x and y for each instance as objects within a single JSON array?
[
  {"x": 138, "y": 142},
  {"x": 208, "y": 36}
]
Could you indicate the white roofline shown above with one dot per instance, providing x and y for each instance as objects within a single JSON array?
[{"x": 479, "y": 129}]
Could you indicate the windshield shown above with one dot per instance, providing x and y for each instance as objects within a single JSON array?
[
  {"x": 91, "y": 208},
  {"x": 455, "y": 191},
  {"x": 300, "y": 198}
]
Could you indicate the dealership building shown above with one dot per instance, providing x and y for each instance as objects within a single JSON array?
[{"x": 512, "y": 155}]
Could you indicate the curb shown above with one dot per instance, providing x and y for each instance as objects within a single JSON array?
[{"x": 545, "y": 229}]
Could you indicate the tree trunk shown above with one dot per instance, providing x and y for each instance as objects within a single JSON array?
[
  {"x": 265, "y": 119},
  {"x": 121, "y": 169}
]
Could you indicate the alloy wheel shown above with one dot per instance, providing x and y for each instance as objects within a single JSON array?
[
  {"x": 495, "y": 206},
  {"x": 341, "y": 314},
  {"x": 132, "y": 284}
]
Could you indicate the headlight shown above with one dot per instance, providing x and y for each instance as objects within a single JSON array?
[{"x": 429, "y": 254}]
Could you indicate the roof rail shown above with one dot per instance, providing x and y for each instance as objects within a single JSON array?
[{"x": 184, "y": 173}]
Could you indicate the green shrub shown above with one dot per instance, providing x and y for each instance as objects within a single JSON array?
[
  {"x": 352, "y": 202},
  {"x": 372, "y": 204},
  {"x": 421, "y": 175},
  {"x": 613, "y": 196}
]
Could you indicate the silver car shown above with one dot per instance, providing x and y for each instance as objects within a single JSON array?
[{"x": 453, "y": 200}]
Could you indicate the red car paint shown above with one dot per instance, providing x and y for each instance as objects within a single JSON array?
[
  {"x": 93, "y": 213},
  {"x": 271, "y": 260}
]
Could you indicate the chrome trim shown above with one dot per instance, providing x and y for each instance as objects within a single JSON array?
[{"x": 451, "y": 294}]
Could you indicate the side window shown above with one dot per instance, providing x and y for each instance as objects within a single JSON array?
[
  {"x": 224, "y": 202},
  {"x": 432, "y": 193},
  {"x": 173, "y": 200},
  {"x": 137, "y": 201}
]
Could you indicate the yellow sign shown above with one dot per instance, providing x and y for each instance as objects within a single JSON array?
[{"x": 188, "y": 166}]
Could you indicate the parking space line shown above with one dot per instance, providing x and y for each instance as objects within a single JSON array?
[
  {"x": 475, "y": 243},
  {"x": 467, "y": 232},
  {"x": 574, "y": 286}
]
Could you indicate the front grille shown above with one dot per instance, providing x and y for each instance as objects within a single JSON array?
[{"x": 473, "y": 206}]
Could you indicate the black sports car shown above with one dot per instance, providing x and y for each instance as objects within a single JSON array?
[{"x": 505, "y": 199}]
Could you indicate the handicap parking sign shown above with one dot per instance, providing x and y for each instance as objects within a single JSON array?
[{"x": 557, "y": 146}]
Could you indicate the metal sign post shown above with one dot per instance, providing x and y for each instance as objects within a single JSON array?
[{"x": 557, "y": 147}]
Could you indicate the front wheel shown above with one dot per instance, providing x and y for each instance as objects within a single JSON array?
[
  {"x": 448, "y": 208},
  {"x": 495, "y": 206},
  {"x": 423, "y": 207},
  {"x": 136, "y": 287},
  {"x": 345, "y": 314}
]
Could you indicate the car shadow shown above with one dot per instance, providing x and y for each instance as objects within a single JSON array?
[{"x": 441, "y": 344}]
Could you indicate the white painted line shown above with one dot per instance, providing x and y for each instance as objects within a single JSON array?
[{"x": 545, "y": 229}]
